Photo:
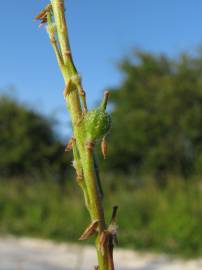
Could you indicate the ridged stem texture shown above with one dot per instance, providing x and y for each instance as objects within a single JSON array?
[{"x": 89, "y": 127}]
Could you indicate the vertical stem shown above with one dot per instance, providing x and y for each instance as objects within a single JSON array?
[
  {"x": 60, "y": 20},
  {"x": 93, "y": 188},
  {"x": 85, "y": 156},
  {"x": 96, "y": 207}
]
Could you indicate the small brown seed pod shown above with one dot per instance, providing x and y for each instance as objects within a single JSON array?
[{"x": 104, "y": 147}]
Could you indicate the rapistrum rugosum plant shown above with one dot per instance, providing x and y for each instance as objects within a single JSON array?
[{"x": 89, "y": 128}]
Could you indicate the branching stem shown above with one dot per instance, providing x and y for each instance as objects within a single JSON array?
[{"x": 84, "y": 162}]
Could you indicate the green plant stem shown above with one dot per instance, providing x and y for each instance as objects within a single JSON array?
[{"x": 91, "y": 186}]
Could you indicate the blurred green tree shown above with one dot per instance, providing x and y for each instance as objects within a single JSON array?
[
  {"x": 28, "y": 143},
  {"x": 157, "y": 115}
]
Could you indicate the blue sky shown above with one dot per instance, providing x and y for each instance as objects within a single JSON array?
[{"x": 101, "y": 33}]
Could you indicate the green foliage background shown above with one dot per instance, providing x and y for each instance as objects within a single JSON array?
[
  {"x": 157, "y": 116},
  {"x": 153, "y": 168},
  {"x": 150, "y": 218},
  {"x": 28, "y": 144}
]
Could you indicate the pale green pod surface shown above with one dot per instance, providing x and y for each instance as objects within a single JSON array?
[{"x": 97, "y": 124}]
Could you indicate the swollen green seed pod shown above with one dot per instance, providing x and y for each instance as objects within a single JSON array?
[{"x": 97, "y": 124}]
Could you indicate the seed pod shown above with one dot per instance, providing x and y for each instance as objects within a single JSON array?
[
  {"x": 90, "y": 230},
  {"x": 104, "y": 147},
  {"x": 97, "y": 124}
]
